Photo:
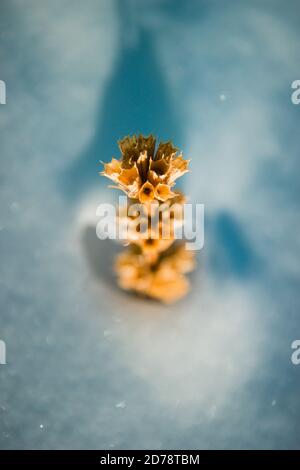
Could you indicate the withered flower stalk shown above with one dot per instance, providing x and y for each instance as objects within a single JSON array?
[{"x": 153, "y": 265}]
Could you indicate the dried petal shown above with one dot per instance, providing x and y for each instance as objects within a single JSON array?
[
  {"x": 112, "y": 170},
  {"x": 160, "y": 167},
  {"x": 178, "y": 167},
  {"x": 147, "y": 144},
  {"x": 146, "y": 193},
  {"x": 163, "y": 192},
  {"x": 165, "y": 150},
  {"x": 128, "y": 176},
  {"x": 169, "y": 289},
  {"x": 143, "y": 165}
]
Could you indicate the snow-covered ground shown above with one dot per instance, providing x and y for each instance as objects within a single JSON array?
[{"x": 89, "y": 366}]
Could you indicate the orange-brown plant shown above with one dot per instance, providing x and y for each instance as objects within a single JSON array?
[{"x": 153, "y": 265}]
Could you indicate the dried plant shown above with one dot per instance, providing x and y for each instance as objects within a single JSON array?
[
  {"x": 145, "y": 173},
  {"x": 153, "y": 265}
]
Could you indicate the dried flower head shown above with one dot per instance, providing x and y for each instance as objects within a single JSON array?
[
  {"x": 153, "y": 265},
  {"x": 144, "y": 172},
  {"x": 163, "y": 280}
]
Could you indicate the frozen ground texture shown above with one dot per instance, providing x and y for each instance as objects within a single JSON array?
[{"x": 87, "y": 365}]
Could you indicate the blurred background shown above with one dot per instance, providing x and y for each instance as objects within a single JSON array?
[{"x": 89, "y": 366}]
